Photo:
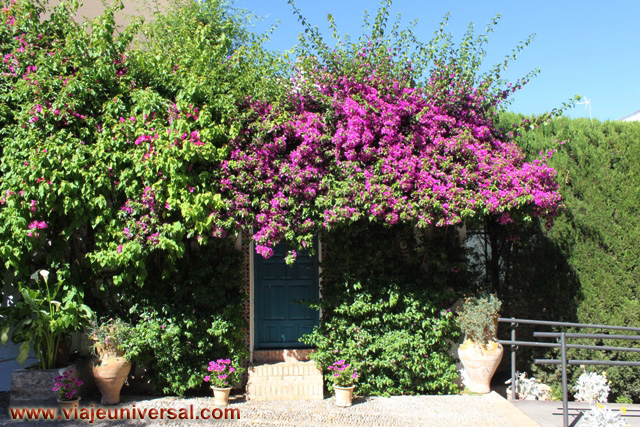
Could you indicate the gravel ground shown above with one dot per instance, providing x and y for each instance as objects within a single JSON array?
[{"x": 458, "y": 411}]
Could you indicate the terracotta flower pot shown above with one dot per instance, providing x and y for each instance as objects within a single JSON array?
[
  {"x": 480, "y": 363},
  {"x": 344, "y": 395},
  {"x": 110, "y": 376},
  {"x": 221, "y": 396},
  {"x": 68, "y": 406}
]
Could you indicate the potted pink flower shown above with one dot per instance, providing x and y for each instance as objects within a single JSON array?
[
  {"x": 344, "y": 378},
  {"x": 221, "y": 375},
  {"x": 67, "y": 388}
]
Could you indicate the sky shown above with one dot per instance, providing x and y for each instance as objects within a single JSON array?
[{"x": 588, "y": 48}]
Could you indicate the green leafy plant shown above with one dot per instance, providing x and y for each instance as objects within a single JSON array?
[
  {"x": 385, "y": 298},
  {"x": 556, "y": 392},
  {"x": 174, "y": 344},
  {"x": 111, "y": 146},
  {"x": 625, "y": 400},
  {"x": 398, "y": 343},
  {"x": 477, "y": 318},
  {"x": 95, "y": 122},
  {"x": 44, "y": 313},
  {"x": 195, "y": 313}
]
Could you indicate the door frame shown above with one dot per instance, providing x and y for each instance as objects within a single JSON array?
[{"x": 252, "y": 310}]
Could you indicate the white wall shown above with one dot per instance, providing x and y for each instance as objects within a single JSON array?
[
  {"x": 9, "y": 352},
  {"x": 8, "y": 363}
]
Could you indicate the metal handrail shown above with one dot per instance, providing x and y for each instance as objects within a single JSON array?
[
  {"x": 565, "y": 324},
  {"x": 563, "y": 345}
]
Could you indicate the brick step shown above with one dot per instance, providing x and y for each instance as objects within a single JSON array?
[
  {"x": 285, "y": 370},
  {"x": 274, "y": 397},
  {"x": 285, "y": 390},
  {"x": 275, "y": 356},
  {"x": 285, "y": 381}
]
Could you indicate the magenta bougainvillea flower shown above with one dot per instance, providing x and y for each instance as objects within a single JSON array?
[{"x": 381, "y": 149}]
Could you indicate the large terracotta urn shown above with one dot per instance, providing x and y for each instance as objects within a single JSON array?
[
  {"x": 480, "y": 363},
  {"x": 110, "y": 375}
]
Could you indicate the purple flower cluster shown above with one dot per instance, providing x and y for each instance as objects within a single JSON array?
[
  {"x": 145, "y": 226},
  {"x": 222, "y": 373},
  {"x": 66, "y": 385},
  {"x": 377, "y": 147},
  {"x": 343, "y": 373},
  {"x": 36, "y": 225}
]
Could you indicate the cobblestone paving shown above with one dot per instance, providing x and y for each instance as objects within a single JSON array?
[{"x": 456, "y": 411}]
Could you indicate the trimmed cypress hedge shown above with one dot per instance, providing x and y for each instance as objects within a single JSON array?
[{"x": 593, "y": 250}]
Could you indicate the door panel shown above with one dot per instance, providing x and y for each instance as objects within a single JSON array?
[
  {"x": 280, "y": 316},
  {"x": 273, "y": 302},
  {"x": 299, "y": 311}
]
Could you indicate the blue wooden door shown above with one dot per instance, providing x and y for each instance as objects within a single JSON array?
[{"x": 280, "y": 316}]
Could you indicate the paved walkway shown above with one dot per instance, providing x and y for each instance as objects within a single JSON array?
[
  {"x": 439, "y": 411},
  {"x": 456, "y": 411},
  {"x": 549, "y": 414}
]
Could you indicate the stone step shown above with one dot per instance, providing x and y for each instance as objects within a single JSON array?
[{"x": 285, "y": 381}]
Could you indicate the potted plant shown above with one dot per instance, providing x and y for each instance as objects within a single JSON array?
[
  {"x": 39, "y": 315},
  {"x": 344, "y": 378},
  {"x": 111, "y": 366},
  {"x": 480, "y": 353},
  {"x": 221, "y": 374},
  {"x": 67, "y": 387},
  {"x": 42, "y": 316}
]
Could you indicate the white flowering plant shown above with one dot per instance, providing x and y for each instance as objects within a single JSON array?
[
  {"x": 599, "y": 416},
  {"x": 529, "y": 388},
  {"x": 592, "y": 387}
]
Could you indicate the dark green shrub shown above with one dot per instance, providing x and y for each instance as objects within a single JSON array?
[
  {"x": 385, "y": 295},
  {"x": 398, "y": 342},
  {"x": 185, "y": 321}
]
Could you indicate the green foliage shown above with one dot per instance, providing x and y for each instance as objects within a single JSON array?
[
  {"x": 110, "y": 154},
  {"x": 624, "y": 400},
  {"x": 110, "y": 142},
  {"x": 384, "y": 314},
  {"x": 594, "y": 240},
  {"x": 183, "y": 323},
  {"x": 398, "y": 343},
  {"x": 477, "y": 316},
  {"x": 400, "y": 53},
  {"x": 44, "y": 315}
]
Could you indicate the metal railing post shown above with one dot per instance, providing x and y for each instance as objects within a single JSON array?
[
  {"x": 514, "y": 385},
  {"x": 565, "y": 398}
]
